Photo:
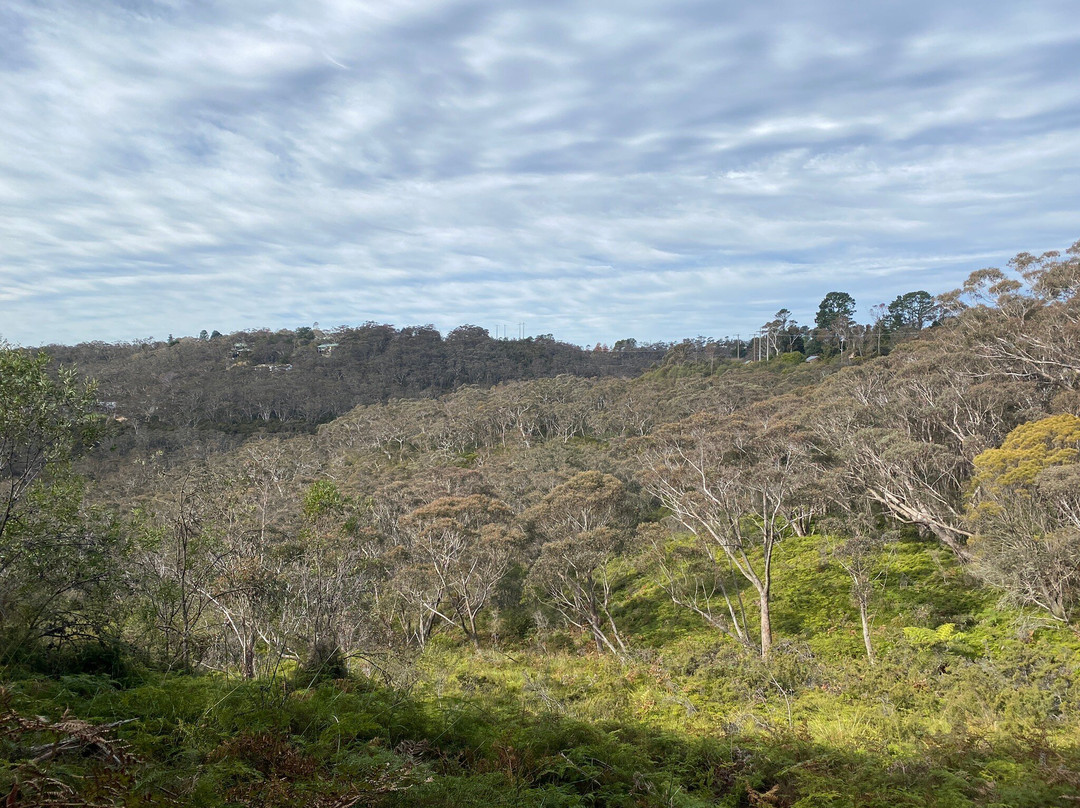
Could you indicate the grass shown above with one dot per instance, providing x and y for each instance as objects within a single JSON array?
[{"x": 968, "y": 705}]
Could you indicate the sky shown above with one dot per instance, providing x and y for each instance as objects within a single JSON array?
[{"x": 593, "y": 170}]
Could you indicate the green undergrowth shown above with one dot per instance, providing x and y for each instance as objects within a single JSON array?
[{"x": 968, "y": 704}]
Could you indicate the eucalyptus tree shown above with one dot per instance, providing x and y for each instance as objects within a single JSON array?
[
  {"x": 740, "y": 484},
  {"x": 329, "y": 575},
  {"x": 455, "y": 550},
  {"x": 216, "y": 569},
  {"x": 904, "y": 430},
  {"x": 1024, "y": 322},
  {"x": 859, "y": 544},
  {"x": 583, "y": 525},
  {"x": 173, "y": 568}
]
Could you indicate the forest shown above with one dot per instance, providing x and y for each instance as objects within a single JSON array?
[{"x": 829, "y": 565}]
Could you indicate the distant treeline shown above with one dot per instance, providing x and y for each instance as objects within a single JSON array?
[
  {"x": 272, "y": 381},
  {"x": 288, "y": 380}
]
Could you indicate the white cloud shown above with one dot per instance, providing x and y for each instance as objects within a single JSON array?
[{"x": 597, "y": 169}]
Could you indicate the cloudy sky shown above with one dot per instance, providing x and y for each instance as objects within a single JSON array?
[{"x": 595, "y": 169}]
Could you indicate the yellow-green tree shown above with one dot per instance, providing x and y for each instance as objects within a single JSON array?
[
  {"x": 1028, "y": 450},
  {"x": 1025, "y": 514}
]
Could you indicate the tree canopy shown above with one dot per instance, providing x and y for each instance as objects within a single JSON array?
[{"x": 834, "y": 306}]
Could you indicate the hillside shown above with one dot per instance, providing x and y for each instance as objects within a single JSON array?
[
  {"x": 780, "y": 583},
  {"x": 290, "y": 380}
]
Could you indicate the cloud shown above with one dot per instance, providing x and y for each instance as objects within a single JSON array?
[{"x": 596, "y": 170}]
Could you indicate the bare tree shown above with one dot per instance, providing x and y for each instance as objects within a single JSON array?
[{"x": 174, "y": 565}]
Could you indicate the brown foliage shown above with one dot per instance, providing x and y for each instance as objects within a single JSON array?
[{"x": 39, "y": 742}]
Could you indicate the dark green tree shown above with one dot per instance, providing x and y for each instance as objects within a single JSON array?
[
  {"x": 834, "y": 306},
  {"x": 835, "y": 323},
  {"x": 914, "y": 310}
]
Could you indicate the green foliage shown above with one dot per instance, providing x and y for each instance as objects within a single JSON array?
[
  {"x": 1026, "y": 452},
  {"x": 322, "y": 498},
  {"x": 44, "y": 417},
  {"x": 1025, "y": 509},
  {"x": 913, "y": 310},
  {"x": 959, "y": 711},
  {"x": 944, "y": 636},
  {"x": 834, "y": 306},
  {"x": 57, "y": 556},
  {"x": 475, "y": 600}
]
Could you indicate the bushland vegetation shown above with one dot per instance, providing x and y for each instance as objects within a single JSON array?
[{"x": 772, "y": 583}]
